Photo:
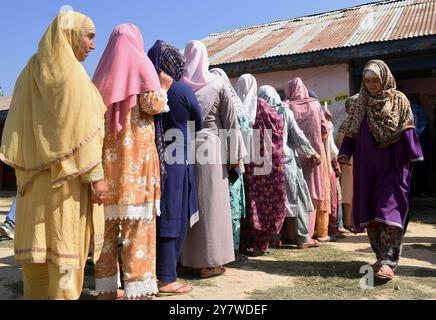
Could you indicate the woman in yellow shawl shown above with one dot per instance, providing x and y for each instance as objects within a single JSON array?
[{"x": 53, "y": 138}]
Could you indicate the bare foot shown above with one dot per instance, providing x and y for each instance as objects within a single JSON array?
[
  {"x": 312, "y": 243},
  {"x": 324, "y": 239},
  {"x": 344, "y": 231}
]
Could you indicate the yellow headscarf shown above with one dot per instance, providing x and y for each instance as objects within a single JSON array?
[{"x": 56, "y": 114}]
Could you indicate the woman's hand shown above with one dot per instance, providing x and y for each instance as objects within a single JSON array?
[
  {"x": 165, "y": 81},
  {"x": 342, "y": 159},
  {"x": 316, "y": 159},
  {"x": 328, "y": 115},
  {"x": 337, "y": 168},
  {"x": 98, "y": 191}
]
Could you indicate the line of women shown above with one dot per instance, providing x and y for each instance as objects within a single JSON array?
[
  {"x": 78, "y": 144},
  {"x": 93, "y": 161}
]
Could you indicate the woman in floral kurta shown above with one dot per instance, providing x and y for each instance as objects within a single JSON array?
[
  {"x": 298, "y": 202},
  {"x": 266, "y": 193},
  {"x": 131, "y": 164}
]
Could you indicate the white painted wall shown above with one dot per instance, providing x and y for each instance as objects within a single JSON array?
[{"x": 326, "y": 81}]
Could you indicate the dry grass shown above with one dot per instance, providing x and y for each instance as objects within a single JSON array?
[{"x": 331, "y": 274}]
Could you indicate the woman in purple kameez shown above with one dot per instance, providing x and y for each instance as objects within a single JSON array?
[{"x": 380, "y": 137}]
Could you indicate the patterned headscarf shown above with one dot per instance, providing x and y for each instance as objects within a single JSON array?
[
  {"x": 172, "y": 61},
  {"x": 389, "y": 112},
  {"x": 168, "y": 59},
  {"x": 349, "y": 105}
]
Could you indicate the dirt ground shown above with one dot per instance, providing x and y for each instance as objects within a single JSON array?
[{"x": 331, "y": 271}]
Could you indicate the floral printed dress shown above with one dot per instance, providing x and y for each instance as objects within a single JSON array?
[
  {"x": 266, "y": 193},
  {"x": 131, "y": 165}
]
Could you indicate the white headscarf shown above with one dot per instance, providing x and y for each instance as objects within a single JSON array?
[
  {"x": 271, "y": 96},
  {"x": 246, "y": 88}
]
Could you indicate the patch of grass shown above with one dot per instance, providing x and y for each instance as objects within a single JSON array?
[
  {"x": 323, "y": 253},
  {"x": 425, "y": 273},
  {"x": 425, "y": 278},
  {"x": 431, "y": 247},
  {"x": 327, "y": 273},
  {"x": 325, "y": 261},
  {"x": 338, "y": 288}
]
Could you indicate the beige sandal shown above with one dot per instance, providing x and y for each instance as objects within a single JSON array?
[{"x": 180, "y": 290}]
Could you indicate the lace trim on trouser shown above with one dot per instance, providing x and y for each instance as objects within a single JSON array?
[
  {"x": 107, "y": 285},
  {"x": 145, "y": 287},
  {"x": 132, "y": 212}
]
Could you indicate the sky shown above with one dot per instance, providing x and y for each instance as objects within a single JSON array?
[{"x": 23, "y": 22}]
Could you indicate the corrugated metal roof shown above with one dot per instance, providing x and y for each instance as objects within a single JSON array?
[
  {"x": 5, "y": 102},
  {"x": 375, "y": 22}
]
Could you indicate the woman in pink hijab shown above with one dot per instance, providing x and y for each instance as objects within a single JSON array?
[
  {"x": 133, "y": 93},
  {"x": 197, "y": 74},
  {"x": 311, "y": 120}
]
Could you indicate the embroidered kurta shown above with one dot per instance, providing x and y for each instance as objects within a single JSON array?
[{"x": 131, "y": 163}]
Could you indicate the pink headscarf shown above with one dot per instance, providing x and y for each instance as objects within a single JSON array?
[
  {"x": 297, "y": 97},
  {"x": 124, "y": 72},
  {"x": 310, "y": 118},
  {"x": 296, "y": 91},
  {"x": 197, "y": 74}
]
